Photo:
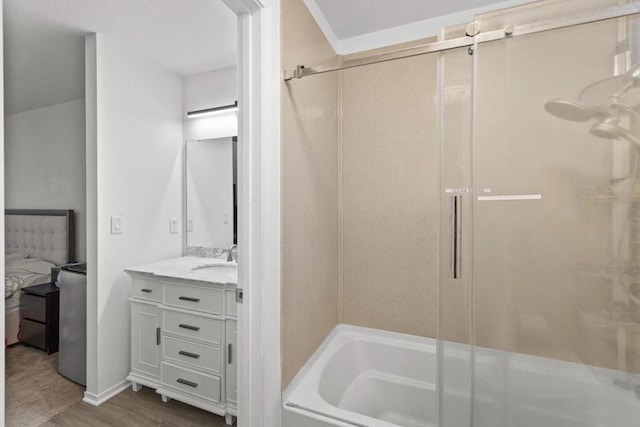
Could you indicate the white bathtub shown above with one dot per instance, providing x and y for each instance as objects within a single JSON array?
[{"x": 368, "y": 377}]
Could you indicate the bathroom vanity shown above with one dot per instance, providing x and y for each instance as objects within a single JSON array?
[{"x": 184, "y": 332}]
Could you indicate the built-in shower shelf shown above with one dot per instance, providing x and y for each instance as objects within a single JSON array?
[
  {"x": 614, "y": 315},
  {"x": 622, "y": 191},
  {"x": 626, "y": 270},
  {"x": 612, "y": 197}
]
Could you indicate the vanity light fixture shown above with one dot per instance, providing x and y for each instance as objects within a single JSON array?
[{"x": 214, "y": 110}]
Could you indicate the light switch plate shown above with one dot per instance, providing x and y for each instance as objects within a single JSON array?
[
  {"x": 116, "y": 225},
  {"x": 190, "y": 225},
  {"x": 173, "y": 226}
]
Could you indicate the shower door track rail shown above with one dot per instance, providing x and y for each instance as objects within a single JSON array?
[{"x": 441, "y": 46}]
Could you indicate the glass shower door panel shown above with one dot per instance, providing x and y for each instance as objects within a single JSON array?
[
  {"x": 388, "y": 157},
  {"x": 556, "y": 243},
  {"x": 454, "y": 331}
]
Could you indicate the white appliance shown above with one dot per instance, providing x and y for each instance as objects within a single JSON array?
[{"x": 72, "y": 359}]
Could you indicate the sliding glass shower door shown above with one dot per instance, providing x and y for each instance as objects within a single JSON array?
[
  {"x": 455, "y": 73},
  {"x": 540, "y": 230}
]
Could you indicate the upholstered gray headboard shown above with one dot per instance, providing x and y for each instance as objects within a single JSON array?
[{"x": 44, "y": 234}]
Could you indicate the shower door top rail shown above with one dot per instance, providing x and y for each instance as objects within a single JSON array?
[
  {"x": 479, "y": 37},
  {"x": 407, "y": 52}
]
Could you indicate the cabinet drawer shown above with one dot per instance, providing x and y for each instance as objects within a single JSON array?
[
  {"x": 191, "y": 326},
  {"x": 197, "y": 355},
  {"x": 150, "y": 290},
  {"x": 191, "y": 382},
  {"x": 33, "y": 333},
  {"x": 33, "y": 307},
  {"x": 194, "y": 298}
]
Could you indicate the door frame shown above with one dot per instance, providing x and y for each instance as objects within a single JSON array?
[
  {"x": 2, "y": 305},
  {"x": 259, "y": 226}
]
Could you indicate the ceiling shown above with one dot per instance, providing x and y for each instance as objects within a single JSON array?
[
  {"x": 44, "y": 42},
  {"x": 356, "y": 25}
]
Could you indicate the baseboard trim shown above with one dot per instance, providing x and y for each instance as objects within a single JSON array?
[{"x": 100, "y": 398}]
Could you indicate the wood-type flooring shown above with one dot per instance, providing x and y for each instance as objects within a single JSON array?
[{"x": 36, "y": 395}]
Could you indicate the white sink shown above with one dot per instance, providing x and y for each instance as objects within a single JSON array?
[{"x": 219, "y": 264}]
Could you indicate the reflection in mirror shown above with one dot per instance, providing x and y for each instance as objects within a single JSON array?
[{"x": 211, "y": 196}]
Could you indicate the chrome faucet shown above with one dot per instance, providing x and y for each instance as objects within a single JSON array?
[{"x": 230, "y": 256}]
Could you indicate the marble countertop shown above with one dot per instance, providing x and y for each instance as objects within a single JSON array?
[{"x": 183, "y": 269}]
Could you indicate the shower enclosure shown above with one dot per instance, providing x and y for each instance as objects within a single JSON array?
[
  {"x": 539, "y": 220},
  {"x": 512, "y": 149}
]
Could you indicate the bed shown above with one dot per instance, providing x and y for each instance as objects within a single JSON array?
[{"x": 35, "y": 241}]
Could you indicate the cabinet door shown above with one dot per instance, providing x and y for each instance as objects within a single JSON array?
[
  {"x": 231, "y": 370},
  {"x": 145, "y": 339}
]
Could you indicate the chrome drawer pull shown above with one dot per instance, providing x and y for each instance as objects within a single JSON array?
[
  {"x": 189, "y": 299},
  {"x": 191, "y": 328},
  {"x": 146, "y": 290},
  {"x": 186, "y": 353},
  {"x": 185, "y": 382}
]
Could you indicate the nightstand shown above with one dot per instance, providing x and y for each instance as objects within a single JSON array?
[{"x": 39, "y": 314}]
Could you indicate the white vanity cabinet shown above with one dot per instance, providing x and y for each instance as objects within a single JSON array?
[{"x": 183, "y": 341}]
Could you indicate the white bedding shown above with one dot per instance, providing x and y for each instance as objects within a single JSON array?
[{"x": 20, "y": 273}]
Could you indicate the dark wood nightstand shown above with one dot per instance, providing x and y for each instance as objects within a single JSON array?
[{"x": 39, "y": 316}]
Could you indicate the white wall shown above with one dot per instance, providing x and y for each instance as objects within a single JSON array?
[
  {"x": 45, "y": 162},
  {"x": 138, "y": 156},
  {"x": 212, "y": 89}
]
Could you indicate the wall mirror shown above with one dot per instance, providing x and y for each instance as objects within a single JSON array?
[{"x": 211, "y": 192}]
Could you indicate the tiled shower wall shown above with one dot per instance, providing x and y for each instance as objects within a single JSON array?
[
  {"x": 309, "y": 192},
  {"x": 390, "y": 208}
]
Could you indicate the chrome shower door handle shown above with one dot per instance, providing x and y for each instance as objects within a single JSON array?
[{"x": 456, "y": 239}]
